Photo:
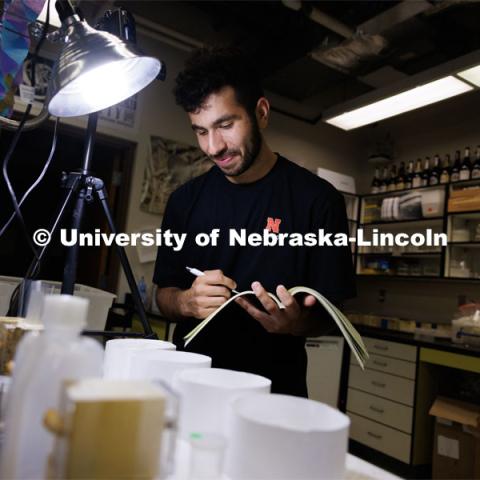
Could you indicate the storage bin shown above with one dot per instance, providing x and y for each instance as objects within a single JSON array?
[{"x": 100, "y": 301}]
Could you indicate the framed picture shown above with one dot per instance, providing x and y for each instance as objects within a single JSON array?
[{"x": 170, "y": 165}]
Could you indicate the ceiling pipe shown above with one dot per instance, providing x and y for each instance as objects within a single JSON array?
[
  {"x": 166, "y": 35},
  {"x": 321, "y": 18}
]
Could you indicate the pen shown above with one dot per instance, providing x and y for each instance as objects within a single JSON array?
[{"x": 199, "y": 273}]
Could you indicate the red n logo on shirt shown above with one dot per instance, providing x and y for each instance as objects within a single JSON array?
[{"x": 273, "y": 224}]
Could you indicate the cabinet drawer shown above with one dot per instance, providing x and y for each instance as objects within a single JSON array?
[
  {"x": 394, "y": 366},
  {"x": 381, "y": 438},
  {"x": 380, "y": 410},
  {"x": 391, "y": 349},
  {"x": 382, "y": 384}
]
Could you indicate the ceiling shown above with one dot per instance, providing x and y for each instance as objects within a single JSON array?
[{"x": 314, "y": 55}]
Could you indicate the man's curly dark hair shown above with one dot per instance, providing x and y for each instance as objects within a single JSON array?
[{"x": 208, "y": 70}]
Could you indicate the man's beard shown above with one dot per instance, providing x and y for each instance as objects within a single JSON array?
[{"x": 252, "y": 149}]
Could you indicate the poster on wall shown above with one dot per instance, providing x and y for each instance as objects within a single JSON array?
[
  {"x": 169, "y": 165},
  {"x": 25, "y": 93},
  {"x": 122, "y": 113}
]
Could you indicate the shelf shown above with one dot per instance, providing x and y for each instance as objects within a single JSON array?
[
  {"x": 475, "y": 181},
  {"x": 396, "y": 275},
  {"x": 464, "y": 244},
  {"x": 471, "y": 279},
  {"x": 398, "y": 260},
  {"x": 387, "y": 222},
  {"x": 428, "y": 187},
  {"x": 419, "y": 277},
  {"x": 466, "y": 212},
  {"x": 402, "y": 255},
  {"x": 398, "y": 192}
]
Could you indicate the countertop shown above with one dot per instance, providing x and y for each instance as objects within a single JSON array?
[
  {"x": 404, "y": 337},
  {"x": 356, "y": 468}
]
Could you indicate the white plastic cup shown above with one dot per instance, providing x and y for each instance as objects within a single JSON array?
[
  {"x": 285, "y": 437},
  {"x": 119, "y": 353},
  {"x": 153, "y": 364},
  {"x": 205, "y": 395},
  {"x": 206, "y": 456}
]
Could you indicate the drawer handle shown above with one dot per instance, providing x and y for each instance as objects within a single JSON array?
[
  {"x": 379, "y": 363},
  {"x": 314, "y": 345},
  {"x": 378, "y": 384},
  {"x": 375, "y": 435},
  {"x": 376, "y": 409},
  {"x": 380, "y": 347}
]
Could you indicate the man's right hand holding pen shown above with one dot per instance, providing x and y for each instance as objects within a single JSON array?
[{"x": 208, "y": 292}]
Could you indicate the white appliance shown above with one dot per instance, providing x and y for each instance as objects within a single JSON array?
[{"x": 324, "y": 367}]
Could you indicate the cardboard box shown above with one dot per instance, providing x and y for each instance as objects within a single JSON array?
[
  {"x": 456, "y": 449},
  {"x": 464, "y": 199}
]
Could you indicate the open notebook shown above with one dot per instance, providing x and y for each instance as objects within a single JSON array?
[{"x": 351, "y": 335}]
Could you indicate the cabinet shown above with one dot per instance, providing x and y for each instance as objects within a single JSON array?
[
  {"x": 448, "y": 212},
  {"x": 387, "y": 403}
]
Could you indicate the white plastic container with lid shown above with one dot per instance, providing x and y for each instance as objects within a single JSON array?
[{"x": 57, "y": 354}]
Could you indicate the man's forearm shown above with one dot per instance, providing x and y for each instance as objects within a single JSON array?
[{"x": 171, "y": 302}]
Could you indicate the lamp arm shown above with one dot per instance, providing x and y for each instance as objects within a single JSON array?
[{"x": 31, "y": 124}]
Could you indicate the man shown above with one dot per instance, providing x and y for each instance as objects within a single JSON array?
[{"x": 250, "y": 187}]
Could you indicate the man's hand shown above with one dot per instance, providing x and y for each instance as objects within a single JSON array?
[
  {"x": 206, "y": 294},
  {"x": 294, "y": 319}
]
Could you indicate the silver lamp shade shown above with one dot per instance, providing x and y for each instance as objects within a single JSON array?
[{"x": 96, "y": 70}]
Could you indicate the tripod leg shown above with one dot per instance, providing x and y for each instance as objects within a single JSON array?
[
  {"x": 127, "y": 269},
  {"x": 70, "y": 269},
  {"x": 33, "y": 268},
  {"x": 17, "y": 303}
]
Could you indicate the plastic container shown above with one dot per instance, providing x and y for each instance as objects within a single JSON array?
[
  {"x": 433, "y": 202},
  {"x": 466, "y": 325},
  {"x": 100, "y": 301},
  {"x": 108, "y": 429},
  {"x": 43, "y": 361},
  {"x": 165, "y": 364},
  {"x": 206, "y": 393},
  {"x": 120, "y": 351},
  {"x": 142, "y": 290},
  {"x": 7, "y": 286},
  {"x": 281, "y": 436},
  {"x": 206, "y": 456}
]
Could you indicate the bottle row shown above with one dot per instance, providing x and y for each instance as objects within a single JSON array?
[{"x": 422, "y": 174}]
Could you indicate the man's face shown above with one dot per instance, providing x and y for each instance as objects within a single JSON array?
[{"x": 226, "y": 133}]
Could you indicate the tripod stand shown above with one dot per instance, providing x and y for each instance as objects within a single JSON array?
[{"x": 84, "y": 188}]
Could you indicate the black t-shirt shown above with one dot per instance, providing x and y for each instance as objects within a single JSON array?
[{"x": 295, "y": 200}]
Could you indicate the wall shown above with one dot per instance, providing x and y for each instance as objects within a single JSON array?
[{"x": 441, "y": 128}]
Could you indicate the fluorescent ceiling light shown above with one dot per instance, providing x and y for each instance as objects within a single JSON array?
[
  {"x": 472, "y": 75},
  {"x": 412, "y": 99}
]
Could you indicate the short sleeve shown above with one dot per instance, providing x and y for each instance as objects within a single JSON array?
[
  {"x": 169, "y": 269},
  {"x": 331, "y": 267}
]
